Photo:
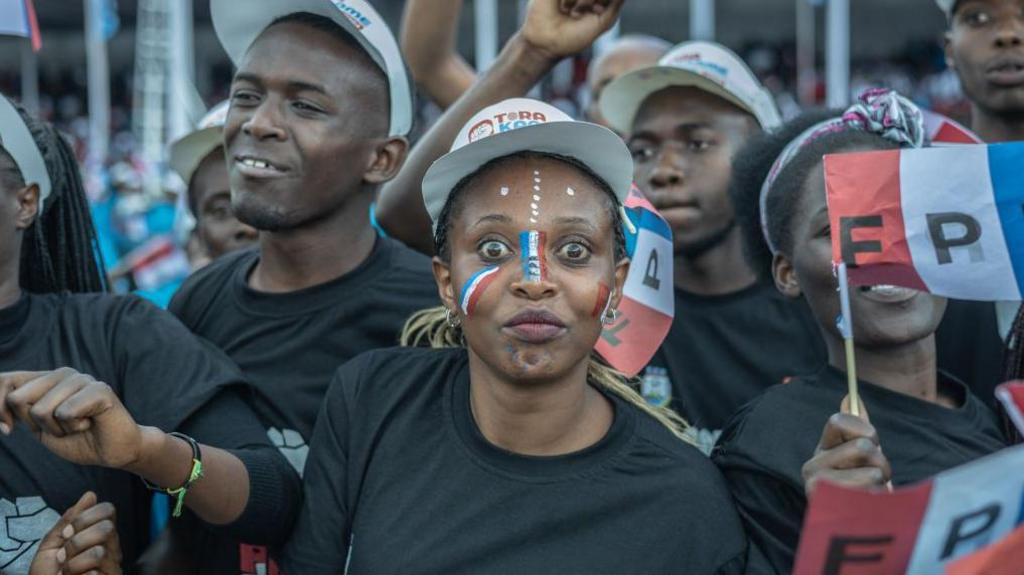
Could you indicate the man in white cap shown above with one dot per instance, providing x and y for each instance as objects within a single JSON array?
[
  {"x": 552, "y": 30},
  {"x": 198, "y": 157},
  {"x": 733, "y": 333},
  {"x": 985, "y": 47},
  {"x": 320, "y": 107}
]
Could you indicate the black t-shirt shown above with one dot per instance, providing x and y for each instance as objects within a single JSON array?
[
  {"x": 762, "y": 450},
  {"x": 289, "y": 345},
  {"x": 722, "y": 351},
  {"x": 165, "y": 377},
  {"x": 969, "y": 347},
  {"x": 401, "y": 480}
]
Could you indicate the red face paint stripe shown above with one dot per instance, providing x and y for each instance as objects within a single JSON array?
[{"x": 603, "y": 294}]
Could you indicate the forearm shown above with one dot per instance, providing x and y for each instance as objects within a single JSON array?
[
  {"x": 448, "y": 82},
  {"x": 400, "y": 207},
  {"x": 429, "y": 29}
]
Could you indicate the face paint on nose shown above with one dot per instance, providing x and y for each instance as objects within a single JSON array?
[
  {"x": 531, "y": 250},
  {"x": 604, "y": 299},
  {"x": 474, "y": 288}
]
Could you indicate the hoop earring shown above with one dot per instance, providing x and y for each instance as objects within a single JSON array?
[
  {"x": 610, "y": 316},
  {"x": 453, "y": 320}
]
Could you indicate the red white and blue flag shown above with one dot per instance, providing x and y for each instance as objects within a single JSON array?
[
  {"x": 648, "y": 303},
  {"x": 943, "y": 131},
  {"x": 947, "y": 220},
  {"x": 18, "y": 18},
  {"x": 958, "y": 522},
  {"x": 1011, "y": 395},
  {"x": 156, "y": 263}
]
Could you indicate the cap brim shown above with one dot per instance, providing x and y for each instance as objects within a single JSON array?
[
  {"x": 595, "y": 146},
  {"x": 621, "y": 100},
  {"x": 185, "y": 154},
  {"x": 238, "y": 28}
]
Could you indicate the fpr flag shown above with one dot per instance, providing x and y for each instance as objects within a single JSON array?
[
  {"x": 18, "y": 18},
  {"x": 648, "y": 302},
  {"x": 946, "y": 220},
  {"x": 923, "y": 529}
]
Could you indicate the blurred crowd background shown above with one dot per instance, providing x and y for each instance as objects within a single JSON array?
[{"x": 892, "y": 43}]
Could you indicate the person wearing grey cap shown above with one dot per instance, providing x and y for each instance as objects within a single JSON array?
[
  {"x": 198, "y": 157},
  {"x": 509, "y": 446},
  {"x": 733, "y": 333},
  {"x": 320, "y": 107},
  {"x": 985, "y": 47}
]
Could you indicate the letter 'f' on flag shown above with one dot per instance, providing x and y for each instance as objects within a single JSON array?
[
  {"x": 949, "y": 220},
  {"x": 18, "y": 18}
]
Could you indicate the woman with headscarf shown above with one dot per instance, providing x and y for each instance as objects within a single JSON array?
[{"x": 922, "y": 420}]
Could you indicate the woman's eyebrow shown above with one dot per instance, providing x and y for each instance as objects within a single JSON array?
[
  {"x": 575, "y": 221},
  {"x": 499, "y": 218}
]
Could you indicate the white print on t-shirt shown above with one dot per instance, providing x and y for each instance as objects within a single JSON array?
[
  {"x": 291, "y": 444},
  {"x": 22, "y": 524},
  {"x": 656, "y": 388}
]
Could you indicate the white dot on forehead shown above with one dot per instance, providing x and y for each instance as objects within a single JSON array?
[
  {"x": 533, "y": 206},
  {"x": 570, "y": 191},
  {"x": 533, "y": 220},
  {"x": 536, "y": 198},
  {"x": 504, "y": 191}
]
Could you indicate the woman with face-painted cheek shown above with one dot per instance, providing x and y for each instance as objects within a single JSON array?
[
  {"x": 922, "y": 420},
  {"x": 508, "y": 447},
  {"x": 91, "y": 384}
]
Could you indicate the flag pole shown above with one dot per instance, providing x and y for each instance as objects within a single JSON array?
[{"x": 846, "y": 329}]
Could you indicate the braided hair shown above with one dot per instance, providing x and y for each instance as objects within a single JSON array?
[
  {"x": 430, "y": 327},
  {"x": 59, "y": 252},
  {"x": 1014, "y": 364}
]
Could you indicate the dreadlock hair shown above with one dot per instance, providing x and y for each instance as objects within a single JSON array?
[
  {"x": 751, "y": 166},
  {"x": 430, "y": 326},
  {"x": 59, "y": 251},
  {"x": 1014, "y": 364}
]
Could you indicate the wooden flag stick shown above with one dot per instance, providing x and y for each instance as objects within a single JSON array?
[{"x": 846, "y": 329}]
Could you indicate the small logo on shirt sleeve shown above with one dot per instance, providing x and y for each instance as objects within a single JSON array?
[{"x": 656, "y": 387}]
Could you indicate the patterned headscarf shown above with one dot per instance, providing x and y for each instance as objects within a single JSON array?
[{"x": 877, "y": 111}]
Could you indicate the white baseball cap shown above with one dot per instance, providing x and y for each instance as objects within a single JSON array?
[
  {"x": 521, "y": 125},
  {"x": 16, "y": 138},
  {"x": 705, "y": 65},
  {"x": 238, "y": 24},
  {"x": 187, "y": 152}
]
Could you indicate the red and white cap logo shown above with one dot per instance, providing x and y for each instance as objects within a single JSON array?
[{"x": 506, "y": 116}]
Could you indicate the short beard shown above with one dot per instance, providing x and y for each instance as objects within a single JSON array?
[
  {"x": 701, "y": 246},
  {"x": 265, "y": 218}
]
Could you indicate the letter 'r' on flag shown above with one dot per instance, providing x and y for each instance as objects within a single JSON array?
[
  {"x": 18, "y": 18},
  {"x": 947, "y": 220}
]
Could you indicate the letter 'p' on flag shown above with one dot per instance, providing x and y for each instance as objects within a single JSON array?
[
  {"x": 648, "y": 300},
  {"x": 946, "y": 220}
]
